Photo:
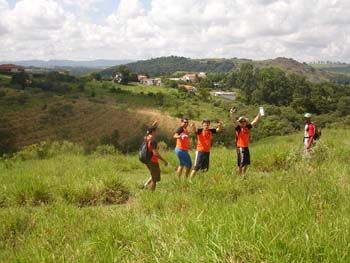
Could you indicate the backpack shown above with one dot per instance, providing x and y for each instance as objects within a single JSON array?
[
  {"x": 318, "y": 133},
  {"x": 145, "y": 155}
]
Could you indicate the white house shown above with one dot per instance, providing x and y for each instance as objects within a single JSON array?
[
  {"x": 224, "y": 94},
  {"x": 151, "y": 82}
]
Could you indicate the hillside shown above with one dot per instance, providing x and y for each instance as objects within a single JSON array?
[
  {"x": 59, "y": 205},
  {"x": 292, "y": 66},
  {"x": 99, "y": 63},
  {"x": 169, "y": 65},
  {"x": 334, "y": 68}
]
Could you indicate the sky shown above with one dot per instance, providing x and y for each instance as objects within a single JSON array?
[{"x": 306, "y": 30}]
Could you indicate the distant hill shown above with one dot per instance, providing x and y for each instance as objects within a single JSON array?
[
  {"x": 292, "y": 66},
  {"x": 100, "y": 63},
  {"x": 172, "y": 64},
  {"x": 168, "y": 65},
  {"x": 340, "y": 68}
]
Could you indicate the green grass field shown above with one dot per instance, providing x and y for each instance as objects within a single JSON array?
[{"x": 59, "y": 205}]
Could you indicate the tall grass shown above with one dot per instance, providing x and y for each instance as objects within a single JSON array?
[{"x": 289, "y": 209}]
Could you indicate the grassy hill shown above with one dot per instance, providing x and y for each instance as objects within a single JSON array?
[
  {"x": 59, "y": 205},
  {"x": 102, "y": 111}
]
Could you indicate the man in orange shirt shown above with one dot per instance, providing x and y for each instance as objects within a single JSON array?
[
  {"x": 242, "y": 127},
  {"x": 182, "y": 148},
  {"x": 204, "y": 142}
]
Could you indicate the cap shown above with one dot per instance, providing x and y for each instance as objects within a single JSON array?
[
  {"x": 151, "y": 129},
  {"x": 307, "y": 115},
  {"x": 242, "y": 118}
]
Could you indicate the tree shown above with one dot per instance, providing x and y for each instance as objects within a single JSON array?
[
  {"x": 7, "y": 138},
  {"x": 124, "y": 74},
  {"x": 246, "y": 79},
  {"x": 274, "y": 85},
  {"x": 96, "y": 76},
  {"x": 20, "y": 79},
  {"x": 343, "y": 106}
]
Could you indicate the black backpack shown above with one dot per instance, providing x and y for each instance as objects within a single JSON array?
[
  {"x": 317, "y": 134},
  {"x": 145, "y": 156}
]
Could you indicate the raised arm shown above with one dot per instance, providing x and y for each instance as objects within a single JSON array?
[
  {"x": 219, "y": 127},
  {"x": 155, "y": 124},
  {"x": 233, "y": 116},
  {"x": 257, "y": 118},
  {"x": 177, "y": 135},
  {"x": 193, "y": 127}
]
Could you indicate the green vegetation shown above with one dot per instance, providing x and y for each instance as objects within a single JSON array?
[
  {"x": 169, "y": 65},
  {"x": 59, "y": 205}
]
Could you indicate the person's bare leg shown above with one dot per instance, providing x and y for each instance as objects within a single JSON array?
[
  {"x": 193, "y": 173},
  {"x": 146, "y": 184},
  {"x": 240, "y": 170},
  {"x": 244, "y": 172},
  {"x": 152, "y": 185},
  {"x": 179, "y": 171},
  {"x": 187, "y": 171}
]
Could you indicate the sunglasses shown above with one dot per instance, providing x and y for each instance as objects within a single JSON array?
[{"x": 185, "y": 121}]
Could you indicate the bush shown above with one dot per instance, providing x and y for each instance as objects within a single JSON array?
[
  {"x": 44, "y": 150},
  {"x": 7, "y": 138}
]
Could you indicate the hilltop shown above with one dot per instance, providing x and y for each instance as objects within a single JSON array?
[{"x": 172, "y": 64}]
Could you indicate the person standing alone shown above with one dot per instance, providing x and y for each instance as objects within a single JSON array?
[{"x": 309, "y": 133}]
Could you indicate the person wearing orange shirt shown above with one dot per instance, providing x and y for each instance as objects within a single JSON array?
[
  {"x": 204, "y": 143},
  {"x": 153, "y": 165},
  {"x": 243, "y": 127},
  {"x": 182, "y": 148}
]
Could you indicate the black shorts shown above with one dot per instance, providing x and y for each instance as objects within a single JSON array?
[
  {"x": 243, "y": 156},
  {"x": 155, "y": 171},
  {"x": 202, "y": 161}
]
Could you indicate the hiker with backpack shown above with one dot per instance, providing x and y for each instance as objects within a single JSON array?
[
  {"x": 182, "y": 148},
  {"x": 311, "y": 133},
  {"x": 242, "y": 127},
  {"x": 150, "y": 156},
  {"x": 204, "y": 143}
]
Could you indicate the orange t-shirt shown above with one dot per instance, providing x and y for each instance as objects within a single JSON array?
[
  {"x": 243, "y": 136},
  {"x": 204, "y": 139},
  {"x": 152, "y": 145},
  {"x": 183, "y": 143}
]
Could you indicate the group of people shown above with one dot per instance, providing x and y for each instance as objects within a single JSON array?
[{"x": 204, "y": 137}]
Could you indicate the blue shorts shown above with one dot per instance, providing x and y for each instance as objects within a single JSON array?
[{"x": 184, "y": 158}]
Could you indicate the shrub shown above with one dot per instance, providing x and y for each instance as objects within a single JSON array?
[{"x": 45, "y": 150}]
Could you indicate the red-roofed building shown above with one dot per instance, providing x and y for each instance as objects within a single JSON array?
[
  {"x": 189, "y": 77},
  {"x": 141, "y": 77},
  {"x": 11, "y": 68}
]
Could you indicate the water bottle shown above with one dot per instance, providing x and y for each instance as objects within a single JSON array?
[{"x": 261, "y": 111}]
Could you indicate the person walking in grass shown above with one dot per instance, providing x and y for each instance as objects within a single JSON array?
[
  {"x": 242, "y": 128},
  {"x": 204, "y": 143},
  {"x": 182, "y": 148},
  {"x": 309, "y": 133},
  {"x": 153, "y": 164}
]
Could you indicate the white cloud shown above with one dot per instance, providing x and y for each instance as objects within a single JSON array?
[{"x": 258, "y": 29}]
